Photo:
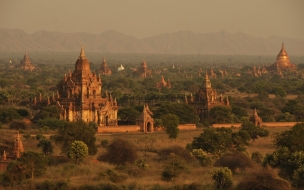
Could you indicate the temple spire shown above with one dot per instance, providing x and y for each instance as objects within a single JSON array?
[{"x": 82, "y": 54}]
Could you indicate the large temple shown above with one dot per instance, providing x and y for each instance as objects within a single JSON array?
[
  {"x": 26, "y": 64},
  {"x": 80, "y": 96},
  {"x": 205, "y": 99},
  {"x": 282, "y": 63}
]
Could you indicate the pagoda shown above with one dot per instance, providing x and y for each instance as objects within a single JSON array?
[
  {"x": 162, "y": 83},
  {"x": 282, "y": 63},
  {"x": 79, "y": 96},
  {"x": 104, "y": 69},
  {"x": 205, "y": 99},
  {"x": 143, "y": 71},
  {"x": 26, "y": 64}
]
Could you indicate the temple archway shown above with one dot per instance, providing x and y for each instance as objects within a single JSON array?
[{"x": 149, "y": 127}]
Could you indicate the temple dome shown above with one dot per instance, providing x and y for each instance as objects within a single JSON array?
[
  {"x": 82, "y": 63},
  {"x": 282, "y": 61}
]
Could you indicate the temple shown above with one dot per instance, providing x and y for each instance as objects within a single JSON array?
[
  {"x": 205, "y": 99},
  {"x": 143, "y": 71},
  {"x": 104, "y": 69},
  {"x": 6, "y": 159},
  {"x": 162, "y": 83},
  {"x": 145, "y": 121},
  {"x": 255, "y": 119},
  {"x": 79, "y": 96},
  {"x": 26, "y": 64},
  {"x": 282, "y": 63}
]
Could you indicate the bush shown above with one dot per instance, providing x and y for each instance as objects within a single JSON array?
[
  {"x": 298, "y": 177},
  {"x": 263, "y": 179},
  {"x": 234, "y": 160},
  {"x": 23, "y": 112},
  {"x": 173, "y": 167},
  {"x": 104, "y": 142},
  {"x": 52, "y": 123},
  {"x": 257, "y": 157},
  {"x": 51, "y": 185},
  {"x": 113, "y": 176},
  {"x": 120, "y": 152},
  {"x": 17, "y": 125},
  {"x": 222, "y": 177},
  {"x": 177, "y": 150},
  {"x": 202, "y": 157}
]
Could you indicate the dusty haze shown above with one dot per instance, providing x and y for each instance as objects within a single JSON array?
[{"x": 140, "y": 18}]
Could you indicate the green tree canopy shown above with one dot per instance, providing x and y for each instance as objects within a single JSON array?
[
  {"x": 128, "y": 114},
  {"x": 184, "y": 112},
  {"x": 254, "y": 131},
  {"x": 170, "y": 123},
  {"x": 76, "y": 131},
  {"x": 78, "y": 150},
  {"x": 218, "y": 140},
  {"x": 220, "y": 114},
  {"x": 292, "y": 139},
  {"x": 46, "y": 146}
]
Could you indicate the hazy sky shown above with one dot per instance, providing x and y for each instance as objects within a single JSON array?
[{"x": 144, "y": 18}]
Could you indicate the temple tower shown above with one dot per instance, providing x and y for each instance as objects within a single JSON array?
[
  {"x": 80, "y": 96},
  {"x": 26, "y": 64},
  {"x": 282, "y": 63},
  {"x": 145, "y": 121},
  {"x": 104, "y": 69},
  {"x": 18, "y": 147}
]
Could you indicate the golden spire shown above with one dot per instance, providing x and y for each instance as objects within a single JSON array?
[{"x": 82, "y": 54}]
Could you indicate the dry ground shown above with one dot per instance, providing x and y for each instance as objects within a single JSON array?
[{"x": 87, "y": 172}]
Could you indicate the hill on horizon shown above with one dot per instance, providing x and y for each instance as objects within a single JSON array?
[{"x": 181, "y": 42}]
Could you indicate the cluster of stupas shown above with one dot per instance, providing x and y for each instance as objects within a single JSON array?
[
  {"x": 143, "y": 71},
  {"x": 163, "y": 84}
]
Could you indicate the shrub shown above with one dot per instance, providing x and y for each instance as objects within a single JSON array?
[
  {"x": 27, "y": 136},
  {"x": 173, "y": 167},
  {"x": 177, "y": 150},
  {"x": 40, "y": 137},
  {"x": 222, "y": 177},
  {"x": 121, "y": 152},
  {"x": 202, "y": 157},
  {"x": 23, "y": 112},
  {"x": 257, "y": 157},
  {"x": 298, "y": 177},
  {"x": 263, "y": 179},
  {"x": 104, "y": 142},
  {"x": 234, "y": 160},
  {"x": 18, "y": 124}
]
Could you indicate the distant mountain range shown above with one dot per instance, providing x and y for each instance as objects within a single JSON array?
[{"x": 182, "y": 42}]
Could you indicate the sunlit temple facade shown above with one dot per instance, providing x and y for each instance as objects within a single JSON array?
[{"x": 80, "y": 96}]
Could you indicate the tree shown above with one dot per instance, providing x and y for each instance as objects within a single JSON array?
[
  {"x": 33, "y": 163},
  {"x": 121, "y": 152},
  {"x": 46, "y": 146},
  {"x": 170, "y": 123},
  {"x": 265, "y": 178},
  {"x": 254, "y": 131},
  {"x": 76, "y": 131},
  {"x": 222, "y": 177},
  {"x": 202, "y": 157},
  {"x": 220, "y": 114},
  {"x": 128, "y": 115},
  {"x": 292, "y": 139},
  {"x": 78, "y": 150},
  {"x": 173, "y": 167},
  {"x": 184, "y": 112}
]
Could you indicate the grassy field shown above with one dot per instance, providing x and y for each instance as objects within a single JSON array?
[{"x": 90, "y": 170}]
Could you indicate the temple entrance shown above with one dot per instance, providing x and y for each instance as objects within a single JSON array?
[
  {"x": 107, "y": 120},
  {"x": 149, "y": 128},
  {"x": 94, "y": 94}
]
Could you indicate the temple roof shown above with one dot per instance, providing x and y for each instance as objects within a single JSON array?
[
  {"x": 282, "y": 52},
  {"x": 82, "y": 64}
]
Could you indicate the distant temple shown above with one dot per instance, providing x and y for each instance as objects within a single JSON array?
[
  {"x": 143, "y": 71},
  {"x": 104, "y": 69},
  {"x": 80, "y": 96},
  {"x": 120, "y": 68},
  {"x": 205, "y": 99},
  {"x": 26, "y": 64},
  {"x": 282, "y": 63},
  {"x": 255, "y": 119},
  {"x": 7, "y": 158},
  {"x": 162, "y": 83}
]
